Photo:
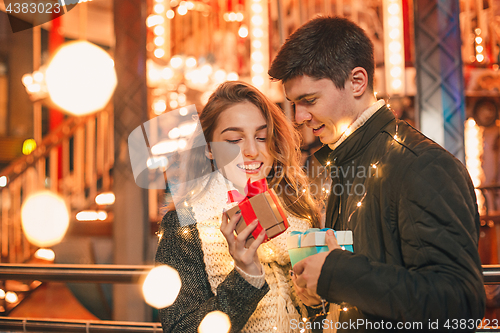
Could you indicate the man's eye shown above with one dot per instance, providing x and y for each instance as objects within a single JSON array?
[{"x": 310, "y": 101}]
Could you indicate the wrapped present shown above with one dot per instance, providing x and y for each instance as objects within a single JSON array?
[
  {"x": 304, "y": 244},
  {"x": 262, "y": 204}
]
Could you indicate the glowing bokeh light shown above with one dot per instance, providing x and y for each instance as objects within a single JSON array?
[
  {"x": 161, "y": 286},
  {"x": 176, "y": 62},
  {"x": 182, "y": 10},
  {"x": 215, "y": 322},
  {"x": 159, "y": 53},
  {"x": 157, "y": 162},
  {"x": 29, "y": 145},
  {"x": 3, "y": 181},
  {"x": 191, "y": 62},
  {"x": 11, "y": 297},
  {"x": 243, "y": 32},
  {"x": 44, "y": 218},
  {"x": 232, "y": 76},
  {"x": 45, "y": 254},
  {"x": 81, "y": 78},
  {"x": 105, "y": 198}
]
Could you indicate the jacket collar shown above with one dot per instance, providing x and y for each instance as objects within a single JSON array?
[{"x": 357, "y": 140}]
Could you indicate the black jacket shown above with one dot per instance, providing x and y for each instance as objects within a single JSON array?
[{"x": 415, "y": 232}]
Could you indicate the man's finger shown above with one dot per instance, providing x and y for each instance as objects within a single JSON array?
[
  {"x": 301, "y": 282},
  {"x": 298, "y": 268},
  {"x": 331, "y": 241}
]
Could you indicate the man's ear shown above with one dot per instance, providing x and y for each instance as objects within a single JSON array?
[
  {"x": 359, "y": 81},
  {"x": 208, "y": 152}
]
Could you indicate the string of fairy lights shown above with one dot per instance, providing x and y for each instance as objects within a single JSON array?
[
  {"x": 344, "y": 307},
  {"x": 373, "y": 166}
]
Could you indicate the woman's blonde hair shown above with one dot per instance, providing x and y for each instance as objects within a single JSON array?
[{"x": 284, "y": 147}]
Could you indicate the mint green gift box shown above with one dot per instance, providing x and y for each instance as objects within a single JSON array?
[{"x": 304, "y": 244}]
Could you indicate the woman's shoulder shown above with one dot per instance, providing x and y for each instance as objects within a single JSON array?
[{"x": 178, "y": 218}]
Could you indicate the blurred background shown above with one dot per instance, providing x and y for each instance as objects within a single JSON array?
[{"x": 74, "y": 86}]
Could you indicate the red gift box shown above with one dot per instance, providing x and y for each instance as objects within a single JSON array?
[{"x": 262, "y": 204}]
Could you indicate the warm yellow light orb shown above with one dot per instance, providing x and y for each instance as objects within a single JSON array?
[
  {"x": 243, "y": 31},
  {"x": 29, "y": 145},
  {"x": 257, "y": 80},
  {"x": 105, "y": 198},
  {"x": 232, "y": 76},
  {"x": 81, "y": 78},
  {"x": 215, "y": 322},
  {"x": 45, "y": 254},
  {"x": 11, "y": 297},
  {"x": 44, "y": 218},
  {"x": 161, "y": 286}
]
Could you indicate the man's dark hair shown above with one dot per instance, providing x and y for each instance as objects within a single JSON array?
[{"x": 325, "y": 47}]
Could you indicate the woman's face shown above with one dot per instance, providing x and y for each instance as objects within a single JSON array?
[{"x": 244, "y": 125}]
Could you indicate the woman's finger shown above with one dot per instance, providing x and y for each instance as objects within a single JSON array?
[
  {"x": 243, "y": 235},
  {"x": 253, "y": 248},
  {"x": 223, "y": 224},
  {"x": 227, "y": 227}
]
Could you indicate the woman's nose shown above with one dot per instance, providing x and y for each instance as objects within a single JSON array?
[{"x": 250, "y": 149}]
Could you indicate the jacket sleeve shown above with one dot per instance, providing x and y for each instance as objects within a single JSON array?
[
  {"x": 180, "y": 248},
  {"x": 437, "y": 224}
]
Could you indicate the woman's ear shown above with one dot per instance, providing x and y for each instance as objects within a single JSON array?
[
  {"x": 208, "y": 152},
  {"x": 359, "y": 81}
]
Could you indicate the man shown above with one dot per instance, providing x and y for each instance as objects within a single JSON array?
[{"x": 410, "y": 204}]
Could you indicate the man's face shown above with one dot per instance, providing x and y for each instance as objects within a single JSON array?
[{"x": 321, "y": 106}]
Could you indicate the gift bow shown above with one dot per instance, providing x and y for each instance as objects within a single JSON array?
[
  {"x": 308, "y": 231},
  {"x": 251, "y": 190}
]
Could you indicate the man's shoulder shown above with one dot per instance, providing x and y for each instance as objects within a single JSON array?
[
  {"x": 417, "y": 153},
  {"x": 416, "y": 146},
  {"x": 416, "y": 141}
]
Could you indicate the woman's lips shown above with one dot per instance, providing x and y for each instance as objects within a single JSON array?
[{"x": 250, "y": 167}]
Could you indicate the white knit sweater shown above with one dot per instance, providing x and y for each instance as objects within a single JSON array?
[{"x": 277, "y": 308}]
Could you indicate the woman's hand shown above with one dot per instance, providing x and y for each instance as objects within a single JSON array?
[{"x": 245, "y": 258}]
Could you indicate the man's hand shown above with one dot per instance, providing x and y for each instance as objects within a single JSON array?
[
  {"x": 308, "y": 270},
  {"x": 303, "y": 293}
]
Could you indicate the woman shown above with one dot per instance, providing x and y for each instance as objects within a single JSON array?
[{"x": 251, "y": 285}]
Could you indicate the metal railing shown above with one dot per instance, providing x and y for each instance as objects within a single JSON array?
[
  {"x": 106, "y": 274},
  {"x": 75, "y": 273},
  {"x": 70, "y": 326},
  {"x": 122, "y": 273}
]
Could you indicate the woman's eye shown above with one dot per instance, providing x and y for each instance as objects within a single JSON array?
[
  {"x": 233, "y": 141},
  {"x": 262, "y": 139}
]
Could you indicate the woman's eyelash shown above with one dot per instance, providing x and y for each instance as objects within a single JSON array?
[{"x": 238, "y": 140}]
